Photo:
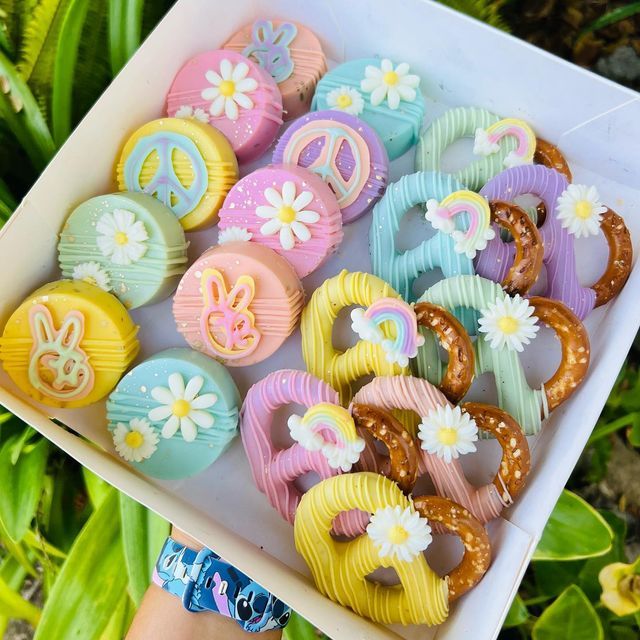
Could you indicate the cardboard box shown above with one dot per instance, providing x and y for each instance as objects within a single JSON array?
[{"x": 462, "y": 62}]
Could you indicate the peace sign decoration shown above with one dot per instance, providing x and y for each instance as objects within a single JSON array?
[
  {"x": 345, "y": 152},
  {"x": 187, "y": 165}
]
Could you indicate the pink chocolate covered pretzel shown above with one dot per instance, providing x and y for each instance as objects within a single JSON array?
[
  {"x": 421, "y": 397},
  {"x": 326, "y": 440}
]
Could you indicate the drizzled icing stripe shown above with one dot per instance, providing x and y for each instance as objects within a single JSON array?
[{"x": 514, "y": 393}]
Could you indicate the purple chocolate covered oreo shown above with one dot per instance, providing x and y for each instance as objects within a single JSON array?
[{"x": 344, "y": 151}]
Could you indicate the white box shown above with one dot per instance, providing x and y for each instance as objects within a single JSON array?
[{"x": 461, "y": 61}]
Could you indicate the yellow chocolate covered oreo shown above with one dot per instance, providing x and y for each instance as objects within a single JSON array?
[
  {"x": 68, "y": 344},
  {"x": 186, "y": 164}
]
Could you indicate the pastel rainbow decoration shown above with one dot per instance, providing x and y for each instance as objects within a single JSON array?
[
  {"x": 68, "y": 344},
  {"x": 526, "y": 404},
  {"x": 270, "y": 48},
  {"x": 487, "y": 141},
  {"x": 226, "y": 321},
  {"x": 128, "y": 244},
  {"x": 344, "y": 151},
  {"x": 400, "y": 315},
  {"x": 328, "y": 428},
  {"x": 238, "y": 302},
  {"x": 324, "y": 440},
  {"x": 501, "y": 138},
  {"x": 340, "y": 368},
  {"x": 237, "y": 96},
  {"x": 174, "y": 414},
  {"x": 188, "y": 165},
  {"x": 290, "y": 52},
  {"x": 442, "y": 215},
  {"x": 401, "y": 268},
  {"x": 398, "y": 128}
]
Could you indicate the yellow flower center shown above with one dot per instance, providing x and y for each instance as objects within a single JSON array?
[
  {"x": 90, "y": 280},
  {"x": 508, "y": 324},
  {"x": 121, "y": 238},
  {"x": 583, "y": 209},
  {"x": 181, "y": 408},
  {"x": 134, "y": 439},
  {"x": 344, "y": 100},
  {"x": 398, "y": 534},
  {"x": 448, "y": 435},
  {"x": 227, "y": 88},
  {"x": 287, "y": 214},
  {"x": 390, "y": 78}
]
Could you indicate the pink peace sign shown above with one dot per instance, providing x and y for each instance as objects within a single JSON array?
[{"x": 345, "y": 152}]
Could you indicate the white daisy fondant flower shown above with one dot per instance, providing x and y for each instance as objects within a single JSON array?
[
  {"x": 580, "y": 210},
  {"x": 122, "y": 237},
  {"x": 399, "y": 533},
  {"x": 340, "y": 455},
  {"x": 508, "y": 322},
  {"x": 182, "y": 407},
  {"x": 234, "y": 234},
  {"x": 92, "y": 273},
  {"x": 187, "y": 112},
  {"x": 448, "y": 432},
  {"x": 365, "y": 327},
  {"x": 393, "y": 84},
  {"x": 287, "y": 215},
  {"x": 482, "y": 145},
  {"x": 346, "y": 99},
  {"x": 229, "y": 90},
  {"x": 136, "y": 441}
]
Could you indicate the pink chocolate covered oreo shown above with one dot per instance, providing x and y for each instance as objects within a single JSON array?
[
  {"x": 290, "y": 52},
  {"x": 238, "y": 303},
  {"x": 234, "y": 95},
  {"x": 288, "y": 209},
  {"x": 344, "y": 151}
]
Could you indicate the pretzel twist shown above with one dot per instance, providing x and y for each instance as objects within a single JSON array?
[
  {"x": 550, "y": 156},
  {"x": 456, "y": 341}
]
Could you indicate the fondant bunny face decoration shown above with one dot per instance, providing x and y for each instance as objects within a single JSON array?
[
  {"x": 227, "y": 324},
  {"x": 341, "y": 369},
  {"x": 425, "y": 400},
  {"x": 58, "y": 366},
  {"x": 395, "y": 537},
  {"x": 557, "y": 239},
  {"x": 270, "y": 48},
  {"x": 505, "y": 325}
]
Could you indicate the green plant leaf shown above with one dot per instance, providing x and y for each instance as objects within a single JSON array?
[
  {"x": 143, "y": 533},
  {"x": 120, "y": 620},
  {"x": 606, "y": 429},
  {"x": 125, "y": 30},
  {"x": 518, "y": 613},
  {"x": 588, "y": 577},
  {"x": 17, "y": 551},
  {"x": 13, "y": 605},
  {"x": 13, "y": 574},
  {"x": 65, "y": 68},
  {"x": 91, "y": 583},
  {"x": 25, "y": 477},
  {"x": 574, "y": 531},
  {"x": 485, "y": 10},
  {"x": 97, "y": 488},
  {"x": 299, "y": 629},
  {"x": 22, "y": 116},
  {"x": 571, "y": 616},
  {"x": 611, "y": 17},
  {"x": 553, "y": 577}
]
